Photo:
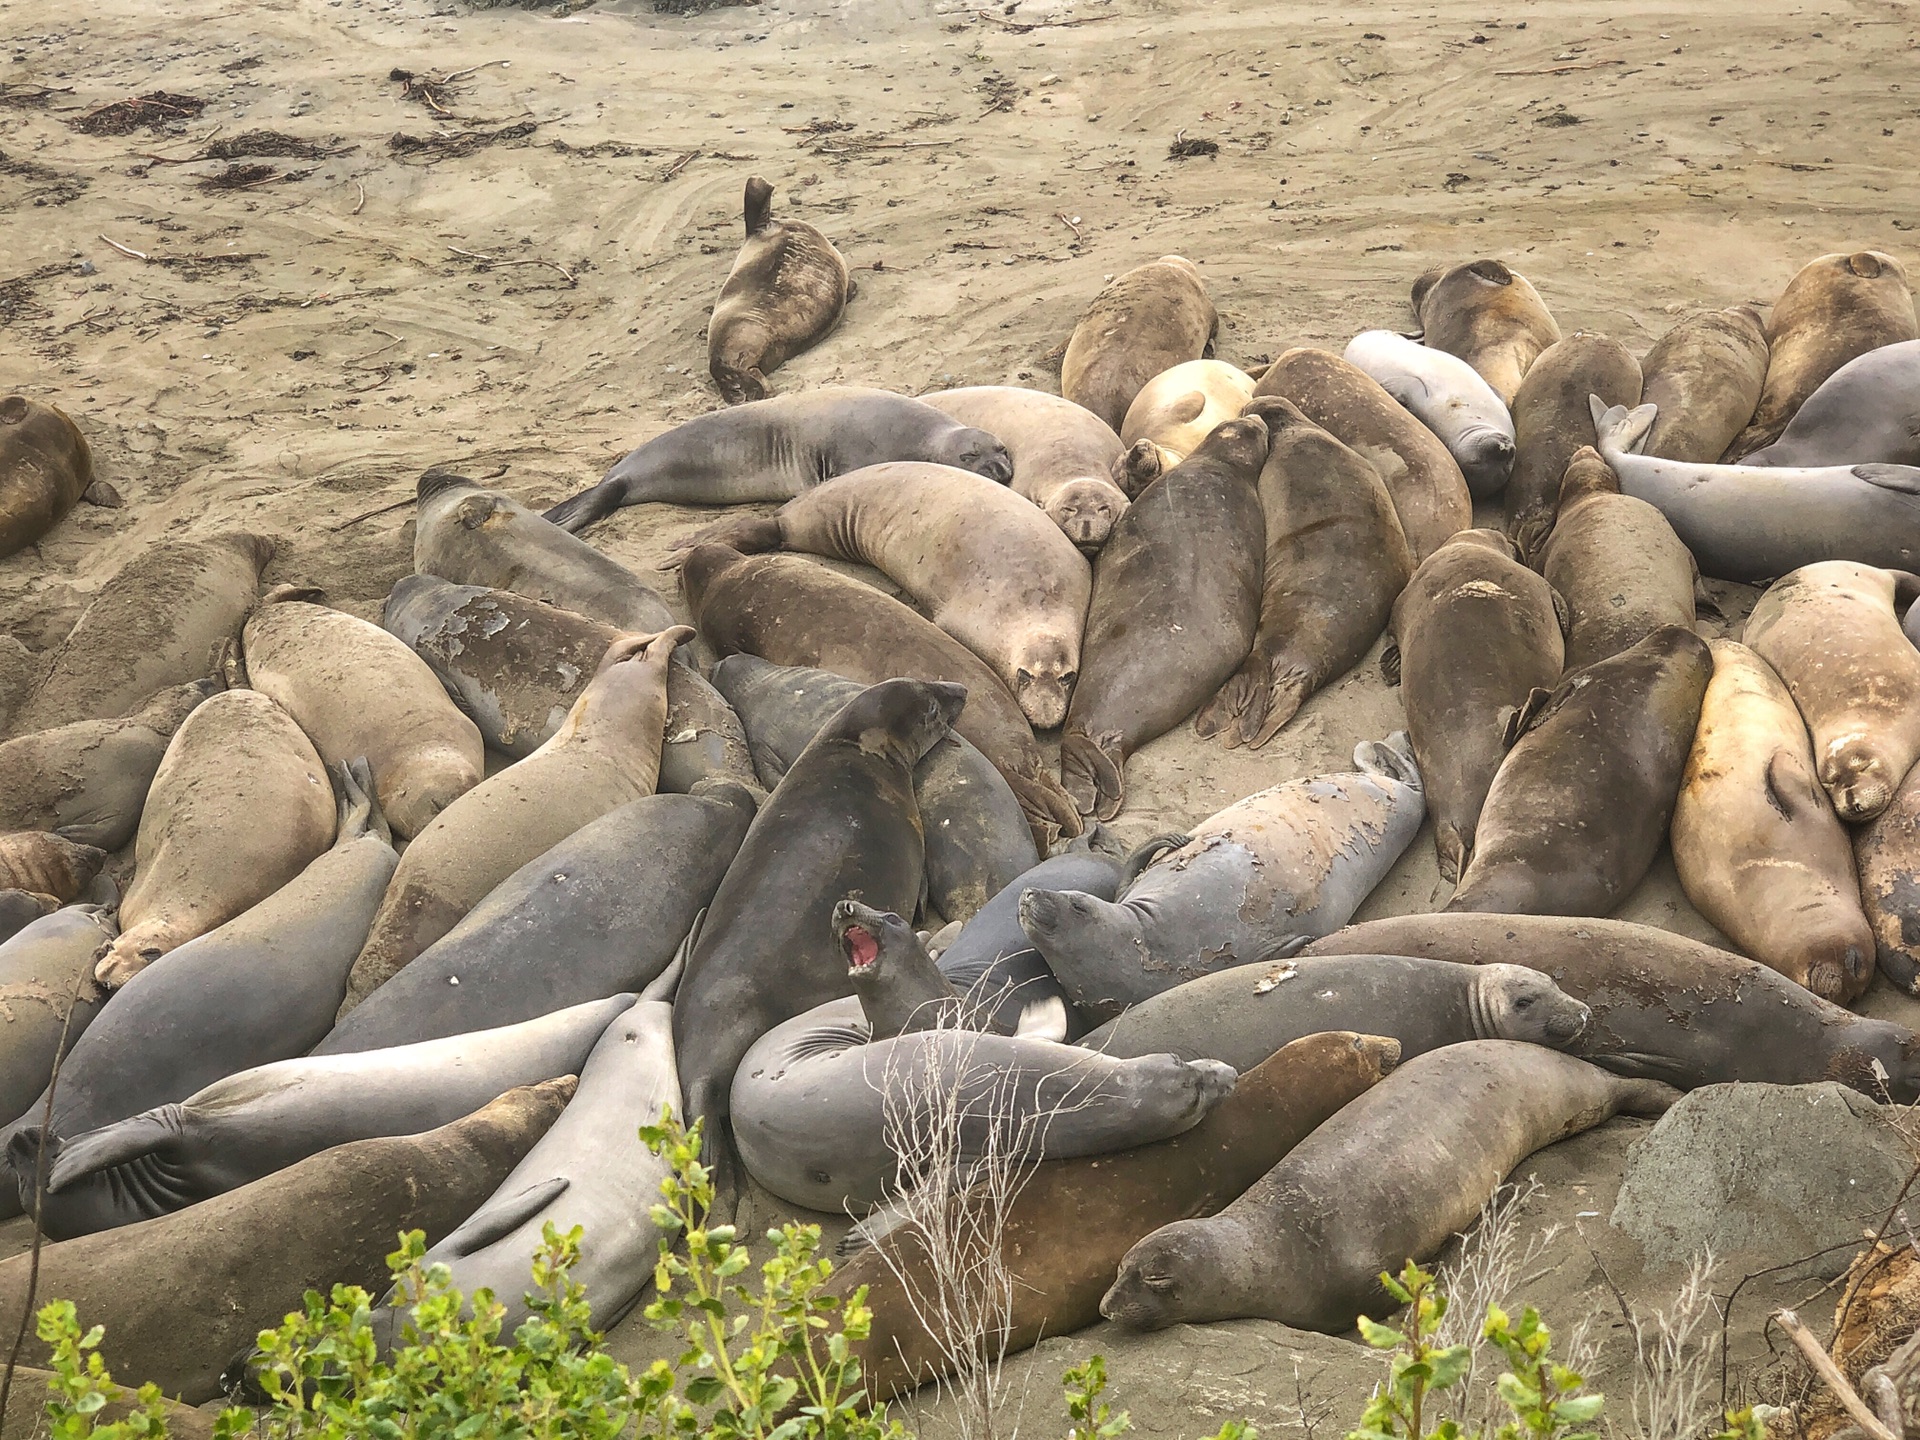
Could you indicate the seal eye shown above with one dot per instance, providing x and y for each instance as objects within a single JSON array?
[
  {"x": 1525, "y": 1002},
  {"x": 1159, "y": 1282}
]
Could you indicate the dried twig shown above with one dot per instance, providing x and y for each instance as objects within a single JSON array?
[
  {"x": 1830, "y": 1376},
  {"x": 126, "y": 250},
  {"x": 1072, "y": 222},
  {"x": 462, "y": 74},
  {"x": 677, "y": 166},
  {"x": 496, "y": 260},
  {"x": 1563, "y": 69},
  {"x": 361, "y": 203},
  {"x": 1021, "y": 27},
  {"x": 369, "y": 514}
]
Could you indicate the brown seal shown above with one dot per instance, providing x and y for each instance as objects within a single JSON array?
[
  {"x": 1616, "y": 562},
  {"x": 1553, "y": 418},
  {"x": 786, "y": 291},
  {"x": 1488, "y": 315},
  {"x": 44, "y": 864},
  {"x": 1473, "y": 635},
  {"x": 1336, "y": 559},
  {"x": 1757, "y": 846},
  {"x": 1150, "y": 319},
  {"x": 1429, "y": 492},
  {"x": 1836, "y": 309},
  {"x": 1886, "y": 854},
  {"x": 1705, "y": 375},
  {"x": 45, "y": 467}
]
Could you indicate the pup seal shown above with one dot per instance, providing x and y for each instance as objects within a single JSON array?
[
  {"x": 1755, "y": 840},
  {"x": 1181, "y": 406},
  {"x": 1151, "y": 318},
  {"x": 1581, "y": 803},
  {"x": 773, "y": 449},
  {"x": 1447, "y": 395},
  {"x": 1176, "y": 601},
  {"x": 786, "y": 291},
  {"x": 46, "y": 970},
  {"x": 1705, "y": 376},
  {"x": 1473, "y": 635},
  {"x": 1867, "y": 410},
  {"x": 45, "y": 468},
  {"x": 1488, "y": 315},
  {"x": 1307, "y": 1243},
  {"x": 46, "y": 864},
  {"x": 1553, "y": 418}
]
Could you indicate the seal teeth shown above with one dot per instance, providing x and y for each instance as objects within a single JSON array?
[{"x": 862, "y": 948}]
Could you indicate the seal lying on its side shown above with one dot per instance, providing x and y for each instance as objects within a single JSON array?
[
  {"x": 1179, "y": 407},
  {"x": 1552, "y": 419},
  {"x": 1705, "y": 376},
  {"x": 1147, "y": 320},
  {"x": 45, "y": 468},
  {"x": 1488, "y": 315},
  {"x": 1447, "y": 395},
  {"x": 1867, "y": 410},
  {"x": 46, "y": 970},
  {"x": 786, "y": 291}
]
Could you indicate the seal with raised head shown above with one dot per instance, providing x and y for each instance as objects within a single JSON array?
[
  {"x": 1488, "y": 315},
  {"x": 1553, "y": 419},
  {"x": 1886, "y": 854},
  {"x": 46, "y": 971},
  {"x": 1581, "y": 802},
  {"x": 1335, "y": 560},
  {"x": 773, "y": 449},
  {"x": 1255, "y": 883},
  {"x": 45, "y": 468},
  {"x": 1307, "y": 1244},
  {"x": 1449, "y": 397},
  {"x": 1616, "y": 563},
  {"x": 1705, "y": 375},
  {"x": 1429, "y": 493},
  {"x": 43, "y": 863},
  {"x": 1179, "y": 407},
  {"x": 1866, "y": 411},
  {"x": 1473, "y": 635},
  {"x": 786, "y": 291},
  {"x": 1147, "y": 320},
  {"x": 1176, "y": 603},
  {"x": 1835, "y": 309}
]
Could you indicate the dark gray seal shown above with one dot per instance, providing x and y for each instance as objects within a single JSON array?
[
  {"x": 1866, "y": 411},
  {"x": 20, "y": 908}
]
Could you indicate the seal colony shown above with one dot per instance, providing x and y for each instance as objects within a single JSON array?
[{"x": 339, "y": 919}]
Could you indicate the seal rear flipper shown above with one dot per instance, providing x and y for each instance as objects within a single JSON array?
[
  {"x": 758, "y": 209},
  {"x": 1285, "y": 694},
  {"x": 1090, "y": 770},
  {"x": 1904, "y": 478},
  {"x": 1535, "y": 708},
  {"x": 1646, "y": 1097},
  {"x": 1148, "y": 851},
  {"x": 1244, "y": 693},
  {"x": 1617, "y": 428},
  {"x": 499, "y": 1218},
  {"x": 359, "y": 812},
  {"x": 111, "y": 1145},
  {"x": 1391, "y": 759},
  {"x": 738, "y": 386},
  {"x": 577, "y": 513},
  {"x": 102, "y": 494},
  {"x": 749, "y": 534},
  {"x": 1052, "y": 810}
]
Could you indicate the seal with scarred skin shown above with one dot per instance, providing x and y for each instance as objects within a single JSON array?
[
  {"x": 786, "y": 291},
  {"x": 1147, "y": 320},
  {"x": 43, "y": 863},
  {"x": 1488, "y": 315},
  {"x": 1181, "y": 406},
  {"x": 1705, "y": 375},
  {"x": 1866, "y": 411},
  {"x": 46, "y": 970},
  {"x": 45, "y": 468},
  {"x": 1449, "y": 397},
  {"x": 1553, "y": 418},
  {"x": 774, "y": 449},
  {"x": 1307, "y": 1244}
]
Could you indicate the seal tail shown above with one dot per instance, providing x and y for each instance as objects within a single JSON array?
[
  {"x": 108, "y": 1147},
  {"x": 359, "y": 811},
  {"x": 1151, "y": 849},
  {"x": 1391, "y": 758},
  {"x": 1618, "y": 430},
  {"x": 1091, "y": 773},
  {"x": 1241, "y": 699},
  {"x": 573, "y": 515}
]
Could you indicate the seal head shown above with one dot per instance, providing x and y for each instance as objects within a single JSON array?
[
  {"x": 1085, "y": 510},
  {"x": 1511, "y": 1002},
  {"x": 1153, "y": 1288},
  {"x": 975, "y": 450},
  {"x": 899, "y": 987}
]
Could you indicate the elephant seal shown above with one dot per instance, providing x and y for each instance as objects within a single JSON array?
[
  {"x": 45, "y": 467},
  {"x": 156, "y": 623},
  {"x": 1429, "y": 493},
  {"x": 359, "y": 692},
  {"x": 1757, "y": 846},
  {"x": 1581, "y": 803},
  {"x": 987, "y": 567},
  {"x": 1886, "y": 854},
  {"x": 1449, "y": 397},
  {"x": 20, "y": 908},
  {"x": 1830, "y": 632},
  {"x": 1066, "y": 459},
  {"x": 793, "y": 612},
  {"x": 1705, "y": 376},
  {"x": 517, "y": 666},
  {"x": 1179, "y": 407},
  {"x": 88, "y": 780},
  {"x": 1866, "y": 411},
  {"x": 240, "y": 805},
  {"x": 606, "y": 754},
  {"x": 567, "y": 927},
  {"x": 773, "y": 449},
  {"x": 1176, "y": 602},
  {"x": 1488, "y": 315},
  {"x": 1473, "y": 635},
  {"x": 43, "y": 863},
  {"x": 842, "y": 821},
  {"x": 46, "y": 974},
  {"x": 1147, "y": 320},
  {"x": 179, "y": 1298},
  {"x": 786, "y": 291},
  {"x": 1064, "y": 1233},
  {"x": 977, "y": 838},
  {"x": 1306, "y": 1245},
  {"x": 1553, "y": 418},
  {"x": 1666, "y": 1007},
  {"x": 1616, "y": 562},
  {"x": 260, "y": 1121},
  {"x": 1335, "y": 560},
  {"x": 1835, "y": 309},
  {"x": 1753, "y": 523},
  {"x": 1255, "y": 883}
]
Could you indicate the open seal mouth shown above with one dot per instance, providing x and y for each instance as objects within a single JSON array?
[{"x": 861, "y": 947}]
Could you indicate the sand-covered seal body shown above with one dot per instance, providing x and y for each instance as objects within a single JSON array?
[
  {"x": 1145, "y": 321},
  {"x": 1867, "y": 410},
  {"x": 1705, "y": 376},
  {"x": 1179, "y": 407},
  {"x": 1449, "y": 397},
  {"x": 45, "y": 467},
  {"x": 786, "y": 291},
  {"x": 43, "y": 863},
  {"x": 1553, "y": 419},
  {"x": 46, "y": 971},
  {"x": 1488, "y": 315}
]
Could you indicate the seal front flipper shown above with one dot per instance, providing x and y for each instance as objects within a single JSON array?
[
  {"x": 498, "y": 1218},
  {"x": 1904, "y": 478},
  {"x": 1090, "y": 770}
]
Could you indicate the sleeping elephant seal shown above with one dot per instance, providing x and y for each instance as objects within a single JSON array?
[
  {"x": 46, "y": 971},
  {"x": 1581, "y": 803},
  {"x": 1429, "y": 493},
  {"x": 793, "y": 612},
  {"x": 179, "y": 1298},
  {"x": 45, "y": 467},
  {"x": 1553, "y": 419},
  {"x": 1473, "y": 635},
  {"x": 240, "y": 805},
  {"x": 1887, "y": 857},
  {"x": 1066, "y": 459},
  {"x": 42, "y": 863},
  {"x": 1255, "y": 883},
  {"x": 606, "y": 754},
  {"x": 1866, "y": 411},
  {"x": 156, "y": 623},
  {"x": 987, "y": 567},
  {"x": 1335, "y": 560},
  {"x": 978, "y": 841},
  {"x": 1666, "y": 1007},
  {"x": 88, "y": 780},
  {"x": 1616, "y": 562},
  {"x": 1836, "y": 309},
  {"x": 786, "y": 291},
  {"x": 1181, "y": 406},
  {"x": 1705, "y": 375},
  {"x": 1488, "y": 315},
  {"x": 1176, "y": 602},
  {"x": 1394, "y": 1176},
  {"x": 1757, "y": 846},
  {"x": 359, "y": 692},
  {"x": 773, "y": 449},
  {"x": 1151, "y": 318},
  {"x": 1830, "y": 632},
  {"x": 1448, "y": 396}
]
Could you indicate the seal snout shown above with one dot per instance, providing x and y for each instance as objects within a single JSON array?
[{"x": 1569, "y": 1023}]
